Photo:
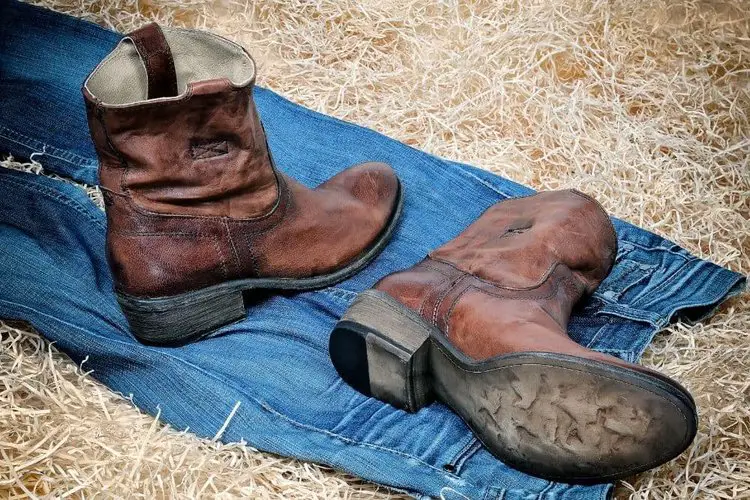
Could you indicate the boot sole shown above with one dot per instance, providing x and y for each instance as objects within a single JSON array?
[
  {"x": 558, "y": 417},
  {"x": 187, "y": 317}
]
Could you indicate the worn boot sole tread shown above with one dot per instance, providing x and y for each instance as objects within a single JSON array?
[
  {"x": 187, "y": 317},
  {"x": 554, "y": 416}
]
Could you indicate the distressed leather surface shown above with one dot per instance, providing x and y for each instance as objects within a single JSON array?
[
  {"x": 509, "y": 282},
  {"x": 193, "y": 198}
]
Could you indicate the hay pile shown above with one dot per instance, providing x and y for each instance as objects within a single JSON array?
[{"x": 642, "y": 104}]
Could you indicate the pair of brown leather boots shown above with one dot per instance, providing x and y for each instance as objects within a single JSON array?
[{"x": 197, "y": 213}]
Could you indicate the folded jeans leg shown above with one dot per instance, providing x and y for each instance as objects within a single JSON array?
[{"x": 275, "y": 363}]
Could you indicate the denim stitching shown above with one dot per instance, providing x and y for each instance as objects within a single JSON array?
[
  {"x": 473, "y": 446},
  {"x": 666, "y": 281},
  {"x": 498, "y": 493},
  {"x": 247, "y": 395},
  {"x": 339, "y": 293},
  {"x": 270, "y": 409},
  {"x": 60, "y": 197},
  {"x": 60, "y": 154},
  {"x": 683, "y": 255},
  {"x": 595, "y": 337}
]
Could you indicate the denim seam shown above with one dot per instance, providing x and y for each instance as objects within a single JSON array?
[
  {"x": 340, "y": 293},
  {"x": 661, "y": 249},
  {"x": 363, "y": 444},
  {"x": 639, "y": 275},
  {"x": 708, "y": 301},
  {"x": 60, "y": 197},
  {"x": 595, "y": 337},
  {"x": 473, "y": 446},
  {"x": 496, "y": 493},
  {"x": 626, "y": 272},
  {"x": 659, "y": 287},
  {"x": 259, "y": 402},
  {"x": 34, "y": 144},
  {"x": 546, "y": 490}
]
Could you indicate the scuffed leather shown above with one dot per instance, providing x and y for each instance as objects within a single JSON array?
[
  {"x": 147, "y": 152},
  {"x": 193, "y": 198},
  {"x": 509, "y": 282}
]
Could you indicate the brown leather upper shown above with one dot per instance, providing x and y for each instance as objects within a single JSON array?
[
  {"x": 193, "y": 198},
  {"x": 509, "y": 282}
]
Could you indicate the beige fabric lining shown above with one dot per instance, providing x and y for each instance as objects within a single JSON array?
[{"x": 121, "y": 78}]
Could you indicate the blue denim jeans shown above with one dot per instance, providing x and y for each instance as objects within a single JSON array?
[{"x": 54, "y": 275}]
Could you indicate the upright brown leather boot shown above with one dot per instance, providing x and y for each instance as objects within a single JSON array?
[
  {"x": 196, "y": 210},
  {"x": 481, "y": 325}
]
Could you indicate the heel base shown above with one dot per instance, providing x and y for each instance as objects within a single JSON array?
[
  {"x": 383, "y": 353},
  {"x": 184, "y": 318}
]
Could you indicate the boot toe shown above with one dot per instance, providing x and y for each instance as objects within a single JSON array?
[{"x": 373, "y": 184}]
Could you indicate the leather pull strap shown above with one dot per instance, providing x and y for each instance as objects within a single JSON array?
[{"x": 154, "y": 50}]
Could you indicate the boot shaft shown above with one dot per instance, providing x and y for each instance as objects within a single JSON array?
[
  {"x": 175, "y": 127},
  {"x": 521, "y": 267}
]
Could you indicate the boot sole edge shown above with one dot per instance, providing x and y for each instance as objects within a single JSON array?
[
  {"x": 514, "y": 403},
  {"x": 187, "y": 317}
]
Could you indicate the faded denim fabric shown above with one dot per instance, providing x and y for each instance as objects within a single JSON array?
[{"x": 53, "y": 274}]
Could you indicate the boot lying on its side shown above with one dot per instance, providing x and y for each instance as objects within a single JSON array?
[
  {"x": 196, "y": 210},
  {"x": 480, "y": 324}
]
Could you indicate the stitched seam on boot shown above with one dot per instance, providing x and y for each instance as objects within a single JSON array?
[
  {"x": 232, "y": 245},
  {"x": 222, "y": 259},
  {"x": 442, "y": 297}
]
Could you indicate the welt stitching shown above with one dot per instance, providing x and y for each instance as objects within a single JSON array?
[{"x": 448, "y": 356}]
